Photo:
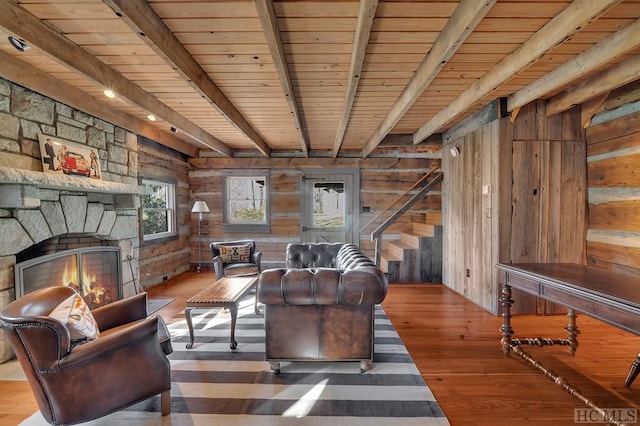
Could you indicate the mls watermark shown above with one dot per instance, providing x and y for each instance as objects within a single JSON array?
[{"x": 606, "y": 415}]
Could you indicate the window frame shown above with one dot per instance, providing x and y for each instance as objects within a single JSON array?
[
  {"x": 171, "y": 210},
  {"x": 263, "y": 226}
]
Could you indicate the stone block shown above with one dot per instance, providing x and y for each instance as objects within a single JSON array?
[
  {"x": 96, "y": 138},
  {"x": 133, "y": 163},
  {"x": 52, "y": 212},
  {"x": 120, "y": 169},
  {"x": 14, "y": 236},
  {"x": 31, "y": 105},
  {"x": 49, "y": 194},
  {"x": 9, "y": 126},
  {"x": 118, "y": 154},
  {"x": 104, "y": 126},
  {"x": 127, "y": 201},
  {"x": 74, "y": 208},
  {"x": 5, "y": 103},
  {"x": 107, "y": 222},
  {"x": 132, "y": 141},
  {"x": 9, "y": 145},
  {"x": 120, "y": 135},
  {"x": 71, "y": 133},
  {"x": 30, "y": 129},
  {"x": 124, "y": 227},
  {"x": 30, "y": 147},
  {"x": 64, "y": 110},
  {"x": 82, "y": 117},
  {"x": 6, "y": 272},
  {"x": 5, "y": 88},
  {"x": 94, "y": 216},
  {"x": 34, "y": 223},
  {"x": 19, "y": 161},
  {"x": 15, "y": 195}
]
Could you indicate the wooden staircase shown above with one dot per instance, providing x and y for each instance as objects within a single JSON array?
[{"x": 417, "y": 255}]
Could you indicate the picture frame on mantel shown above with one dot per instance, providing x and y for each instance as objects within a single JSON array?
[{"x": 61, "y": 156}]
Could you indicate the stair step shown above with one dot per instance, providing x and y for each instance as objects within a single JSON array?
[
  {"x": 410, "y": 239},
  {"x": 391, "y": 266},
  {"x": 399, "y": 249},
  {"x": 423, "y": 229},
  {"x": 433, "y": 218}
]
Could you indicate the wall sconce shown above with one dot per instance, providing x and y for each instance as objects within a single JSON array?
[{"x": 200, "y": 207}]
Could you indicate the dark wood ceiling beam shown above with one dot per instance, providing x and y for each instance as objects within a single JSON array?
[
  {"x": 17, "y": 71},
  {"x": 595, "y": 57},
  {"x": 269, "y": 23},
  {"x": 610, "y": 79},
  {"x": 23, "y": 24},
  {"x": 143, "y": 20},
  {"x": 572, "y": 19},
  {"x": 366, "y": 15},
  {"x": 465, "y": 18}
]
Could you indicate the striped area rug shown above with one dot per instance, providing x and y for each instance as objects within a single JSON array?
[{"x": 213, "y": 385}]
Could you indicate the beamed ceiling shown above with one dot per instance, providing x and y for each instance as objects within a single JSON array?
[{"x": 316, "y": 78}]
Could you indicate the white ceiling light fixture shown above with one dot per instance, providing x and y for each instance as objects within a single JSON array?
[
  {"x": 454, "y": 151},
  {"x": 151, "y": 117},
  {"x": 109, "y": 93},
  {"x": 20, "y": 45}
]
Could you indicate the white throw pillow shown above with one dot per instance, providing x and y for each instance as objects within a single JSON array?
[{"x": 76, "y": 315}]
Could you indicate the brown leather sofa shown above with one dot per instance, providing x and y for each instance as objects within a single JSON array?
[
  {"x": 321, "y": 306},
  {"x": 77, "y": 383}
]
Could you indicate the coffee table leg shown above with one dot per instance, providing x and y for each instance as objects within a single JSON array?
[
  {"x": 187, "y": 314},
  {"x": 234, "y": 313}
]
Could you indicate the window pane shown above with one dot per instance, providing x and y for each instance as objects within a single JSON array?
[
  {"x": 246, "y": 200},
  {"x": 328, "y": 204},
  {"x": 155, "y": 221},
  {"x": 157, "y": 210}
]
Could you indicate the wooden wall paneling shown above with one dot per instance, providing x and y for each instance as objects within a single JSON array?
[
  {"x": 486, "y": 215},
  {"x": 525, "y": 216},
  {"x": 613, "y": 129},
  {"x": 573, "y": 202}
]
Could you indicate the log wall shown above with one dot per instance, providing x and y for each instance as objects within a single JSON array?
[
  {"x": 167, "y": 257},
  {"x": 613, "y": 164},
  {"x": 383, "y": 176}
]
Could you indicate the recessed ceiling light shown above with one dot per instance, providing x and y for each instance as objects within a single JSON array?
[
  {"x": 151, "y": 117},
  {"x": 20, "y": 45},
  {"x": 109, "y": 93}
]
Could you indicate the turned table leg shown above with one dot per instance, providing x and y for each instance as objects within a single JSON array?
[
  {"x": 506, "y": 329},
  {"x": 633, "y": 371},
  {"x": 572, "y": 332},
  {"x": 233, "y": 308}
]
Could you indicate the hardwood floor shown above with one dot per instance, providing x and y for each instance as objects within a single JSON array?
[{"x": 455, "y": 345}]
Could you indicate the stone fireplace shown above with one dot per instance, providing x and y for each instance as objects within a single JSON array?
[{"x": 36, "y": 207}]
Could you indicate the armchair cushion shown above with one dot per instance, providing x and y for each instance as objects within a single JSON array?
[
  {"x": 233, "y": 254},
  {"x": 75, "y": 314}
]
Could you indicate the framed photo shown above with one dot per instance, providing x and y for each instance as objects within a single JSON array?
[{"x": 63, "y": 157}]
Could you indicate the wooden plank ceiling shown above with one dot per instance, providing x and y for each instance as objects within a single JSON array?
[{"x": 315, "y": 78}]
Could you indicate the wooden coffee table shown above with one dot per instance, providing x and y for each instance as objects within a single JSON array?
[{"x": 225, "y": 292}]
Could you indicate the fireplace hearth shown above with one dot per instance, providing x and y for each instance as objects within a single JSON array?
[{"x": 94, "y": 272}]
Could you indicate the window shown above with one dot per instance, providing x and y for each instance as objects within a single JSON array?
[
  {"x": 158, "y": 210},
  {"x": 246, "y": 203}
]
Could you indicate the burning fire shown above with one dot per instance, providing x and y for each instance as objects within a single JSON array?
[{"x": 91, "y": 291}]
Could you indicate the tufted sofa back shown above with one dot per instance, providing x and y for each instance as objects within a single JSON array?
[{"x": 323, "y": 274}]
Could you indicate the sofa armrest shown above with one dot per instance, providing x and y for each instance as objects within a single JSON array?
[{"x": 121, "y": 312}]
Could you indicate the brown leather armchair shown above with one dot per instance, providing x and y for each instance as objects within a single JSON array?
[{"x": 77, "y": 383}]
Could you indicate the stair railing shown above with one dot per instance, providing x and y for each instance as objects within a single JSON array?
[{"x": 376, "y": 235}]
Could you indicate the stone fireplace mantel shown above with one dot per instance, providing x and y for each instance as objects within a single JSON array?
[{"x": 20, "y": 188}]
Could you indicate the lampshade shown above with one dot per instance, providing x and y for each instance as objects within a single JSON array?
[{"x": 200, "y": 207}]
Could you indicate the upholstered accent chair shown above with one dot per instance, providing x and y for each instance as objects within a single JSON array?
[
  {"x": 234, "y": 258},
  {"x": 77, "y": 380}
]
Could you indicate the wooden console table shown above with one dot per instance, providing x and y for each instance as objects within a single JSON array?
[
  {"x": 225, "y": 292},
  {"x": 610, "y": 296}
]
